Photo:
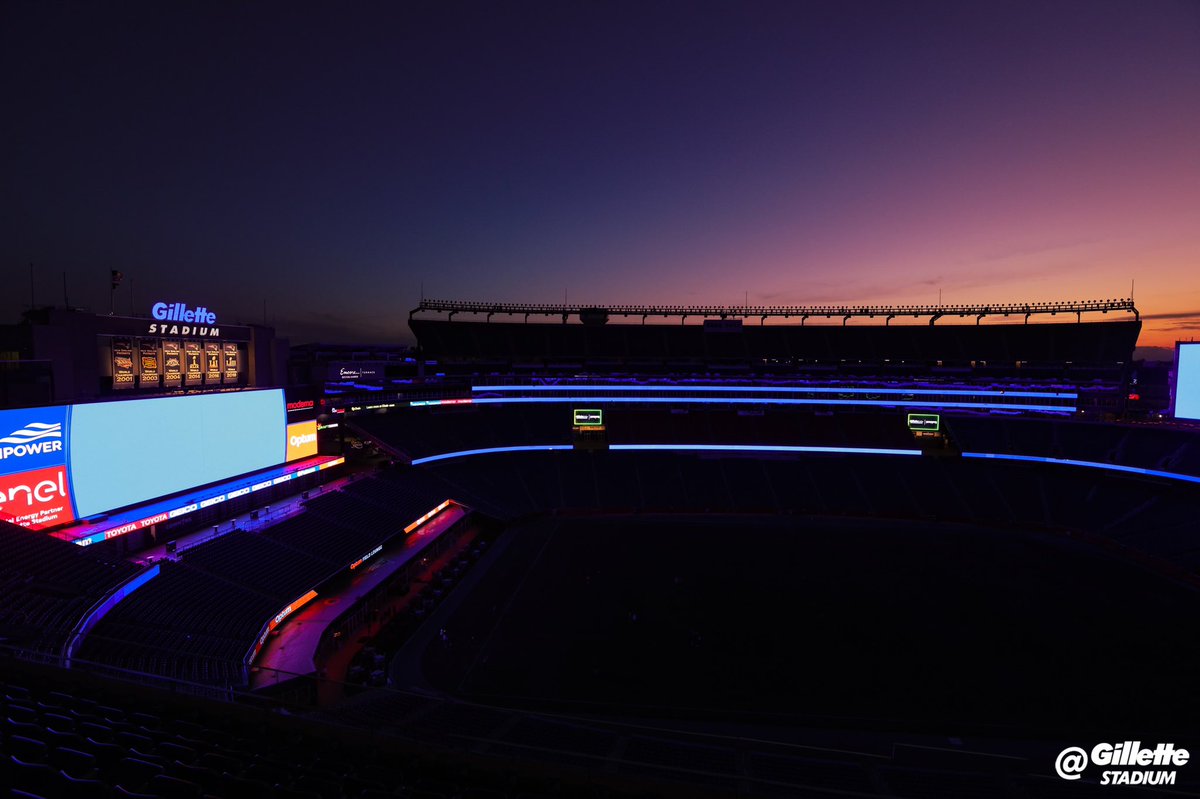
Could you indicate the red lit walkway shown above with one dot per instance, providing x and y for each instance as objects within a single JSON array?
[{"x": 289, "y": 651}]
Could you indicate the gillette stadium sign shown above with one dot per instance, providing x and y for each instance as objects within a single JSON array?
[{"x": 195, "y": 321}]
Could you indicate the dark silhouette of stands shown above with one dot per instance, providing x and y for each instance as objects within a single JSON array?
[
  {"x": 509, "y": 343},
  {"x": 422, "y": 432},
  {"x": 64, "y": 739},
  {"x": 48, "y": 585},
  {"x": 1145, "y": 515},
  {"x": 198, "y": 619},
  {"x": 1166, "y": 448},
  {"x": 212, "y": 605},
  {"x": 70, "y": 738}
]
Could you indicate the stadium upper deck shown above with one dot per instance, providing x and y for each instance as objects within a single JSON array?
[{"x": 780, "y": 336}]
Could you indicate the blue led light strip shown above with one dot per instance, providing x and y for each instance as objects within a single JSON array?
[
  {"x": 1112, "y": 467},
  {"x": 896, "y": 403},
  {"x": 790, "y": 390},
  {"x": 671, "y": 448},
  {"x": 1188, "y": 478},
  {"x": 104, "y": 606},
  {"x": 762, "y": 448},
  {"x": 491, "y": 450}
]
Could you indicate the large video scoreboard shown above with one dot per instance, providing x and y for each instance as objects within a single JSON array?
[
  {"x": 68, "y": 462},
  {"x": 1185, "y": 388}
]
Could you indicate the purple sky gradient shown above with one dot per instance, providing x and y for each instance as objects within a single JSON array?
[{"x": 332, "y": 161}]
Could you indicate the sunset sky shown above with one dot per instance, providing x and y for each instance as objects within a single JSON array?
[{"x": 330, "y": 160}]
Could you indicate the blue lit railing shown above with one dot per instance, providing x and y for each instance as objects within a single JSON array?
[
  {"x": 1112, "y": 467},
  {"x": 789, "y": 390},
  {"x": 101, "y": 609},
  {"x": 879, "y": 397},
  {"x": 671, "y": 448},
  {"x": 889, "y": 403},
  {"x": 796, "y": 449}
]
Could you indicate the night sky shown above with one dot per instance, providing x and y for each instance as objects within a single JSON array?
[{"x": 331, "y": 160}]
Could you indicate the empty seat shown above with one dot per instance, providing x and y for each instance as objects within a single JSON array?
[
  {"x": 74, "y": 762},
  {"x": 28, "y": 749},
  {"x": 37, "y": 778},
  {"x": 107, "y": 754},
  {"x": 292, "y": 793},
  {"x": 126, "y": 793},
  {"x": 70, "y": 787},
  {"x": 169, "y": 787},
  {"x": 240, "y": 788},
  {"x": 134, "y": 773},
  {"x": 206, "y": 778},
  {"x": 174, "y": 751}
]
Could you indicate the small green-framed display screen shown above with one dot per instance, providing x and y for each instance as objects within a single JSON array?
[
  {"x": 588, "y": 417},
  {"x": 924, "y": 422}
]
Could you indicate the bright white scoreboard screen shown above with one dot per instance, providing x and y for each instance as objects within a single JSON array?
[
  {"x": 1185, "y": 391},
  {"x": 68, "y": 462}
]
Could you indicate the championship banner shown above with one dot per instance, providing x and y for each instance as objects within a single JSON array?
[
  {"x": 231, "y": 362},
  {"x": 122, "y": 361},
  {"x": 149, "y": 363},
  {"x": 212, "y": 362},
  {"x": 192, "y": 358},
  {"x": 172, "y": 364}
]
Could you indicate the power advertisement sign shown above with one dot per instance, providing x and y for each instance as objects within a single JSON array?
[{"x": 34, "y": 488}]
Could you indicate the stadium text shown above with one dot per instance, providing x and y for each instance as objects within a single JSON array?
[{"x": 183, "y": 330}]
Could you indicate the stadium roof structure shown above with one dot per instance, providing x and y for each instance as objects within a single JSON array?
[
  {"x": 599, "y": 314},
  {"x": 1075, "y": 333}
]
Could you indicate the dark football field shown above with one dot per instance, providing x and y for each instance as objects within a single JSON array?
[{"x": 787, "y": 620}]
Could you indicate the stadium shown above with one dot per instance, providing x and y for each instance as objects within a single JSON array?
[{"x": 600, "y": 551}]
